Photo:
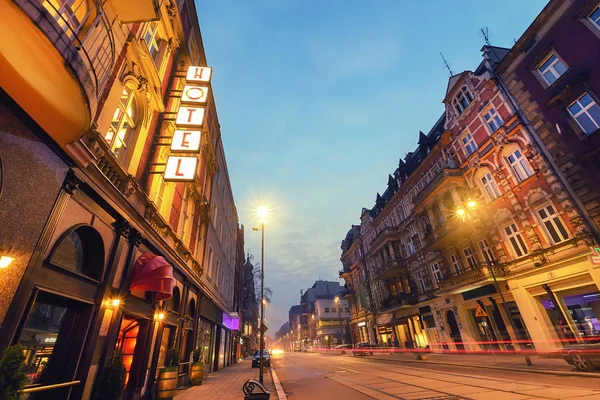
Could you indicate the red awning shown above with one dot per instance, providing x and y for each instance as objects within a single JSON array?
[{"x": 153, "y": 273}]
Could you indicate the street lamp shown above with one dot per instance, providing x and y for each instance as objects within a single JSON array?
[
  {"x": 468, "y": 214},
  {"x": 263, "y": 213},
  {"x": 337, "y": 301}
]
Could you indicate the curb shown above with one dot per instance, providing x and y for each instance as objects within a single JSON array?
[
  {"x": 278, "y": 388},
  {"x": 531, "y": 371}
]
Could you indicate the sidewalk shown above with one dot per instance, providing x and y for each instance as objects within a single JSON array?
[
  {"x": 226, "y": 384},
  {"x": 510, "y": 362}
]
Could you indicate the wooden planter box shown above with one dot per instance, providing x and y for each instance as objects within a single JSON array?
[
  {"x": 197, "y": 374},
  {"x": 167, "y": 383}
]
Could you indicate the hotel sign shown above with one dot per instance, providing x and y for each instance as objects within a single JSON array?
[{"x": 189, "y": 121}]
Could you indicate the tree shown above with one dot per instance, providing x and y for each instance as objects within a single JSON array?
[
  {"x": 12, "y": 376},
  {"x": 257, "y": 278}
]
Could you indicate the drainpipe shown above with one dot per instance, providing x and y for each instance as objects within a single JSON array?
[{"x": 543, "y": 150}]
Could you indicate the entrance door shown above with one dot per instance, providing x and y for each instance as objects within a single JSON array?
[
  {"x": 53, "y": 336},
  {"x": 454, "y": 331}
]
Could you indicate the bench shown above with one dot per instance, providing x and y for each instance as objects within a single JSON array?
[{"x": 254, "y": 390}]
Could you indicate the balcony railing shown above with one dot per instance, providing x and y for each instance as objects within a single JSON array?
[
  {"x": 389, "y": 268},
  {"x": 82, "y": 33},
  {"x": 398, "y": 301},
  {"x": 480, "y": 273},
  {"x": 435, "y": 182}
]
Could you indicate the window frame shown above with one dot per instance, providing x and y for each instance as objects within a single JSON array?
[
  {"x": 466, "y": 145},
  {"x": 463, "y": 93},
  {"x": 523, "y": 163},
  {"x": 495, "y": 117},
  {"x": 435, "y": 269},
  {"x": 552, "y": 220},
  {"x": 557, "y": 75},
  {"x": 422, "y": 285},
  {"x": 518, "y": 244},
  {"x": 588, "y": 17},
  {"x": 485, "y": 248},
  {"x": 584, "y": 109},
  {"x": 490, "y": 184},
  {"x": 154, "y": 41},
  {"x": 455, "y": 261},
  {"x": 117, "y": 123}
]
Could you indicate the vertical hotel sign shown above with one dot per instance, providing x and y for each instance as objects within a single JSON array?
[{"x": 186, "y": 143}]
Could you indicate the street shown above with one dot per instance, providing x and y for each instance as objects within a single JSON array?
[{"x": 318, "y": 376}]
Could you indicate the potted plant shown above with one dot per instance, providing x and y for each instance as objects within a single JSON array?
[
  {"x": 12, "y": 375},
  {"x": 111, "y": 381},
  {"x": 197, "y": 370},
  {"x": 167, "y": 378}
]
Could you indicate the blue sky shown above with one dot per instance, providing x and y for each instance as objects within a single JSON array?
[{"x": 317, "y": 101}]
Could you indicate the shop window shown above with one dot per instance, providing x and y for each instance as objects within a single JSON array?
[
  {"x": 126, "y": 343},
  {"x": 165, "y": 343},
  {"x": 519, "y": 165},
  {"x": 80, "y": 249},
  {"x": 123, "y": 124},
  {"x": 516, "y": 240},
  {"x": 551, "y": 69},
  {"x": 493, "y": 119},
  {"x": 586, "y": 112},
  {"x": 553, "y": 224}
]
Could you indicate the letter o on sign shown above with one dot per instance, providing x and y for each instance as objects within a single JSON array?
[{"x": 194, "y": 94}]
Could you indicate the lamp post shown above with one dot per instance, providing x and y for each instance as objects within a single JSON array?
[
  {"x": 262, "y": 213},
  {"x": 338, "y": 302},
  {"x": 468, "y": 214}
]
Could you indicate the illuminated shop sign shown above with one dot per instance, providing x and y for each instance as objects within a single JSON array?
[
  {"x": 189, "y": 121},
  {"x": 363, "y": 323}
]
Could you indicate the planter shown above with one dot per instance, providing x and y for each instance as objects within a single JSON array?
[
  {"x": 197, "y": 374},
  {"x": 166, "y": 383}
]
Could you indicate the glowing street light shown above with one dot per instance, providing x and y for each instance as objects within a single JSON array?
[{"x": 262, "y": 212}]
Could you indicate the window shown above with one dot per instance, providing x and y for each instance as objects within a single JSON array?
[
  {"x": 209, "y": 262},
  {"x": 595, "y": 17},
  {"x": 470, "y": 257},
  {"x": 347, "y": 310},
  {"x": 160, "y": 192},
  {"x": 469, "y": 144},
  {"x": 185, "y": 217},
  {"x": 411, "y": 246},
  {"x": 490, "y": 187},
  {"x": 516, "y": 240},
  {"x": 334, "y": 309},
  {"x": 486, "y": 250},
  {"x": 458, "y": 269},
  {"x": 421, "y": 282},
  {"x": 520, "y": 166},
  {"x": 437, "y": 272},
  {"x": 220, "y": 273},
  {"x": 587, "y": 113},
  {"x": 71, "y": 15},
  {"x": 551, "y": 69},
  {"x": 493, "y": 119},
  {"x": 553, "y": 224},
  {"x": 151, "y": 38},
  {"x": 326, "y": 309},
  {"x": 462, "y": 100},
  {"x": 123, "y": 123}
]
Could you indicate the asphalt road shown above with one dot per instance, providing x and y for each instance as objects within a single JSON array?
[{"x": 314, "y": 376}]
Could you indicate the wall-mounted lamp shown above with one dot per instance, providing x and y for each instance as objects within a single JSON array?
[
  {"x": 115, "y": 302},
  {"x": 159, "y": 316},
  {"x": 5, "y": 261}
]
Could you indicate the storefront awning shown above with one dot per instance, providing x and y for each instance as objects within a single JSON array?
[{"x": 153, "y": 273}]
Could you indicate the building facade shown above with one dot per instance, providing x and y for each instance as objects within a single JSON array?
[
  {"x": 328, "y": 324},
  {"x": 250, "y": 313},
  {"x": 122, "y": 230},
  {"x": 476, "y": 242}
]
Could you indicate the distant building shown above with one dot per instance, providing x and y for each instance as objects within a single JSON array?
[
  {"x": 325, "y": 321},
  {"x": 250, "y": 312}
]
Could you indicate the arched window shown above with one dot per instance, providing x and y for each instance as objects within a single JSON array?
[
  {"x": 192, "y": 309},
  {"x": 175, "y": 300},
  {"x": 82, "y": 250},
  {"x": 123, "y": 123}
]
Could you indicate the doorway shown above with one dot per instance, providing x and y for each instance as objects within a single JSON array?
[{"x": 454, "y": 330}]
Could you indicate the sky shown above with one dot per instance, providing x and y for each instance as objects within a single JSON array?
[{"x": 317, "y": 101}]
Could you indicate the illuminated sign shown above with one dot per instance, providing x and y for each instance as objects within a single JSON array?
[
  {"x": 50, "y": 340},
  {"x": 181, "y": 169},
  {"x": 194, "y": 94},
  {"x": 595, "y": 257},
  {"x": 362, "y": 323},
  {"x": 198, "y": 74},
  {"x": 190, "y": 117},
  {"x": 186, "y": 141}
]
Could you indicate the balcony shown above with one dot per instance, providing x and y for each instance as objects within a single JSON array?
[
  {"x": 344, "y": 271},
  {"x": 384, "y": 236},
  {"x": 401, "y": 300},
  {"x": 390, "y": 268},
  {"x": 471, "y": 278},
  {"x": 445, "y": 175},
  {"x": 56, "y": 60}
]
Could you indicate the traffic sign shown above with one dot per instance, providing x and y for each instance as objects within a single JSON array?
[
  {"x": 480, "y": 312},
  {"x": 264, "y": 328}
]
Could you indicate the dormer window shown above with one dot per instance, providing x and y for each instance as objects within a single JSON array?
[{"x": 462, "y": 100}]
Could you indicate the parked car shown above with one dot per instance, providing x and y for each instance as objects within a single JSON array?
[
  {"x": 256, "y": 359},
  {"x": 584, "y": 356},
  {"x": 343, "y": 347},
  {"x": 362, "y": 349}
]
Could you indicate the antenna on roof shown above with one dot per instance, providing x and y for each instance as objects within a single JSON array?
[
  {"x": 446, "y": 63},
  {"x": 486, "y": 35}
]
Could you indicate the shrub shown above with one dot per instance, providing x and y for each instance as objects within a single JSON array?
[
  {"x": 12, "y": 375},
  {"x": 111, "y": 381},
  {"x": 172, "y": 358},
  {"x": 197, "y": 356}
]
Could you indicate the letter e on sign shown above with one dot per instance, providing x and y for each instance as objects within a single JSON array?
[
  {"x": 186, "y": 141},
  {"x": 190, "y": 117},
  {"x": 198, "y": 74},
  {"x": 194, "y": 94},
  {"x": 181, "y": 169}
]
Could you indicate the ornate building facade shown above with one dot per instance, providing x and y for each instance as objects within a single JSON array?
[{"x": 119, "y": 227}]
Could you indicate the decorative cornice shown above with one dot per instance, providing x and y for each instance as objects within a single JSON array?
[{"x": 71, "y": 182}]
